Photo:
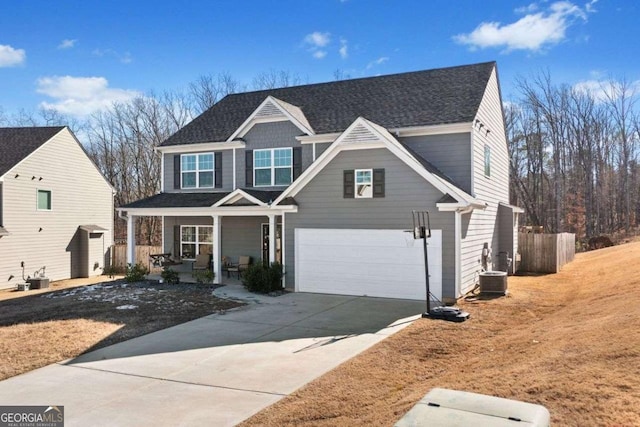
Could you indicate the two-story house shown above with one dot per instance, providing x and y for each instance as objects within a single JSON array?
[
  {"x": 56, "y": 208},
  {"x": 324, "y": 177}
]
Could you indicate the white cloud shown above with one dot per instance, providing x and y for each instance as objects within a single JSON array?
[
  {"x": 606, "y": 90},
  {"x": 344, "y": 49},
  {"x": 533, "y": 31},
  {"x": 125, "y": 58},
  {"x": 378, "y": 61},
  {"x": 80, "y": 96},
  {"x": 10, "y": 57},
  {"x": 317, "y": 39},
  {"x": 67, "y": 43}
]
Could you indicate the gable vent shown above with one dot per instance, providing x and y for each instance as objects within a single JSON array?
[
  {"x": 360, "y": 133},
  {"x": 269, "y": 109}
]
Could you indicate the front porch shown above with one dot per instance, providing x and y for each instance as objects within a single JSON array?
[{"x": 226, "y": 227}]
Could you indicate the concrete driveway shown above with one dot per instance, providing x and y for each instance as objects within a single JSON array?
[{"x": 216, "y": 370}]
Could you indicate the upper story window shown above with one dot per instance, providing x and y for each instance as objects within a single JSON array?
[
  {"x": 197, "y": 170},
  {"x": 44, "y": 200},
  {"x": 273, "y": 167},
  {"x": 487, "y": 161},
  {"x": 364, "y": 183}
]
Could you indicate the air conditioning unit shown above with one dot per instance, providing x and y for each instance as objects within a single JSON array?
[{"x": 493, "y": 282}]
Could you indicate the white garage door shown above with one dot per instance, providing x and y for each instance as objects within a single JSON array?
[{"x": 377, "y": 263}]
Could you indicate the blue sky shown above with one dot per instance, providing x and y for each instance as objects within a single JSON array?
[{"x": 78, "y": 56}]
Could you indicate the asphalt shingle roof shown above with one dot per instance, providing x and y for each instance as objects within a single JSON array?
[
  {"x": 18, "y": 143},
  {"x": 196, "y": 200},
  {"x": 431, "y": 97},
  {"x": 178, "y": 200}
]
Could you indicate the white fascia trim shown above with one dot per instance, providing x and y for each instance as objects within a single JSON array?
[
  {"x": 322, "y": 138},
  {"x": 465, "y": 127},
  {"x": 208, "y": 211},
  {"x": 515, "y": 209},
  {"x": 236, "y": 195},
  {"x": 384, "y": 140},
  {"x": 201, "y": 146},
  {"x": 252, "y": 120}
]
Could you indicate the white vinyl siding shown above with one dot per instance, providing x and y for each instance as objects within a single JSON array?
[
  {"x": 80, "y": 196},
  {"x": 480, "y": 225},
  {"x": 197, "y": 170},
  {"x": 272, "y": 167}
]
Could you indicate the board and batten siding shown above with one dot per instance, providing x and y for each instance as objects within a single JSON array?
[
  {"x": 51, "y": 239},
  {"x": 321, "y": 205},
  {"x": 450, "y": 153},
  {"x": 481, "y": 226}
]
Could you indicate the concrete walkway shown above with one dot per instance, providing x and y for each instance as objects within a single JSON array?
[{"x": 216, "y": 370}]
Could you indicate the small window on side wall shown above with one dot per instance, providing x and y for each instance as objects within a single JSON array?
[
  {"x": 44, "y": 200},
  {"x": 363, "y": 183},
  {"x": 487, "y": 161}
]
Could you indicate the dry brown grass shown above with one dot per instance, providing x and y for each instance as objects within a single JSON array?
[
  {"x": 568, "y": 341},
  {"x": 46, "y": 326}
]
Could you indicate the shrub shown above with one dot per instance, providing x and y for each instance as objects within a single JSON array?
[
  {"x": 170, "y": 276},
  {"x": 203, "y": 276},
  {"x": 112, "y": 271},
  {"x": 263, "y": 279},
  {"x": 135, "y": 273}
]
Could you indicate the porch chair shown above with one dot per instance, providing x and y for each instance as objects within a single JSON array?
[
  {"x": 202, "y": 262},
  {"x": 243, "y": 263}
]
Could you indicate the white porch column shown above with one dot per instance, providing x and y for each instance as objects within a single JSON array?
[
  {"x": 272, "y": 238},
  {"x": 217, "y": 254},
  {"x": 131, "y": 240}
]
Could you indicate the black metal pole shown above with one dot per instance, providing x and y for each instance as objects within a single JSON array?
[{"x": 426, "y": 268}]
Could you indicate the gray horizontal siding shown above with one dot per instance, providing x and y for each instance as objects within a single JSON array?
[
  {"x": 270, "y": 135},
  {"x": 450, "y": 153},
  {"x": 321, "y": 205},
  {"x": 227, "y": 173}
]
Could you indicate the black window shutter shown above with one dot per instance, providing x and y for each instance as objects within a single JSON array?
[
  {"x": 248, "y": 162},
  {"x": 297, "y": 162},
  {"x": 218, "y": 169},
  {"x": 176, "y": 241},
  {"x": 176, "y": 171},
  {"x": 378, "y": 183},
  {"x": 348, "y": 184}
]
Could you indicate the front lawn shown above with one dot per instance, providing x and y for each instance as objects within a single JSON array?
[
  {"x": 40, "y": 328},
  {"x": 569, "y": 341}
]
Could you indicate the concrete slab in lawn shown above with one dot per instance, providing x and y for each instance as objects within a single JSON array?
[{"x": 216, "y": 370}]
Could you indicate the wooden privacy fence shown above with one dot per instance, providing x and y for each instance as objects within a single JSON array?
[
  {"x": 545, "y": 253},
  {"x": 142, "y": 256}
]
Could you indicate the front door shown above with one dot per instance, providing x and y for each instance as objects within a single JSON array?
[{"x": 265, "y": 243}]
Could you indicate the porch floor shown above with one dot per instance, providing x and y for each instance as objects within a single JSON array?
[{"x": 186, "y": 277}]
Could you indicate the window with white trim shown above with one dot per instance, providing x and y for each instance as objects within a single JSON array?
[
  {"x": 195, "y": 240},
  {"x": 272, "y": 167},
  {"x": 44, "y": 200},
  {"x": 487, "y": 161},
  {"x": 197, "y": 170},
  {"x": 364, "y": 183}
]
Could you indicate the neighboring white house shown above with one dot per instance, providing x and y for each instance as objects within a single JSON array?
[
  {"x": 56, "y": 208},
  {"x": 324, "y": 177}
]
